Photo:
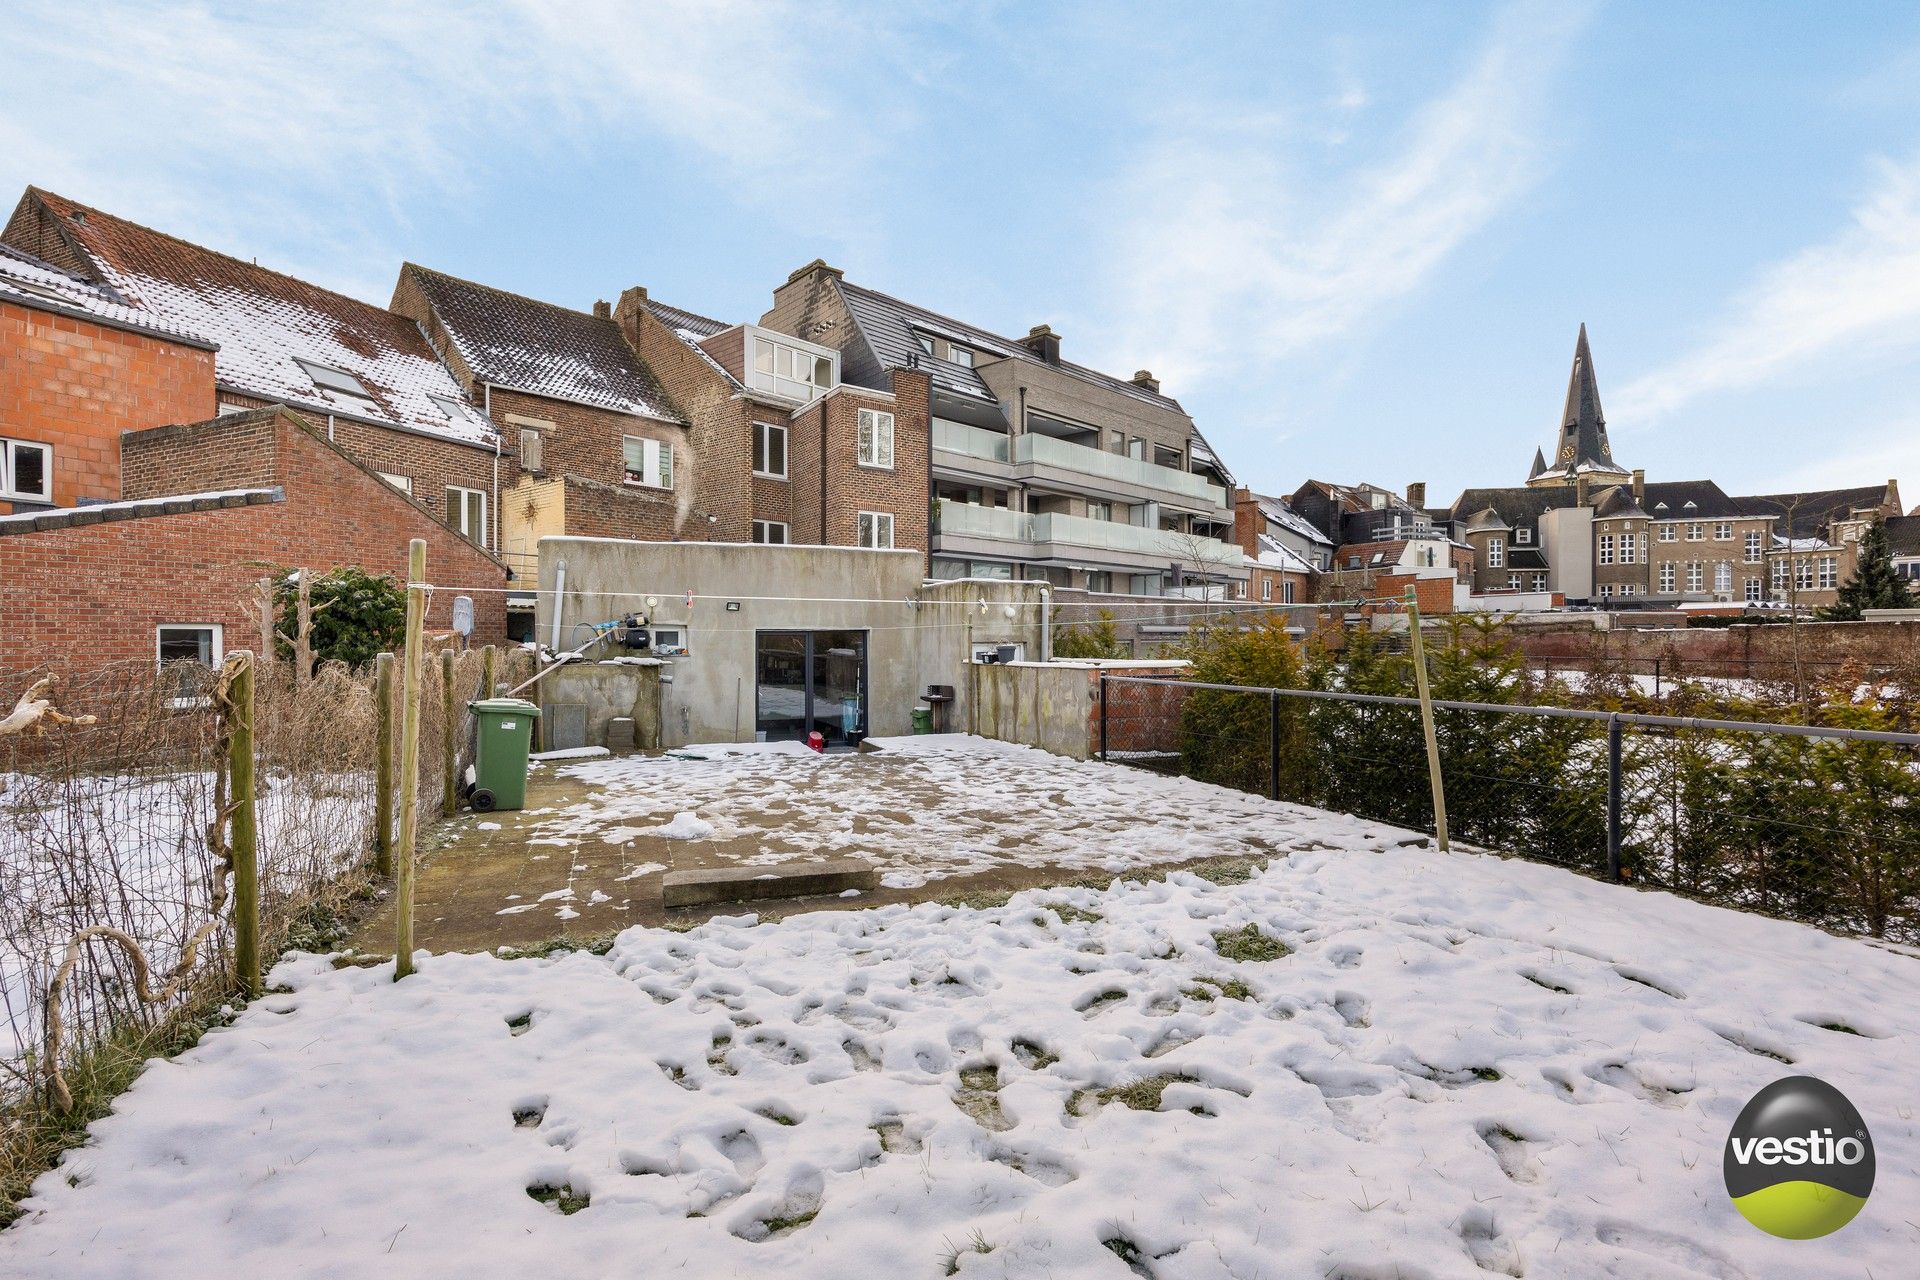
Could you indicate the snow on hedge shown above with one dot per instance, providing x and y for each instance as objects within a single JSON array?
[{"x": 1368, "y": 1061}]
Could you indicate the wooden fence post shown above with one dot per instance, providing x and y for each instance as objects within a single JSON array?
[
  {"x": 268, "y": 651},
  {"x": 244, "y": 829},
  {"x": 449, "y": 737},
  {"x": 409, "y": 759},
  {"x": 487, "y": 685},
  {"x": 1426, "y": 722},
  {"x": 303, "y": 634},
  {"x": 383, "y": 766}
]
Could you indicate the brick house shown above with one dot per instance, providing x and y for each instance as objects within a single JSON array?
[
  {"x": 366, "y": 376},
  {"x": 1037, "y": 468},
  {"x": 1816, "y": 538},
  {"x": 78, "y": 368},
  {"x": 160, "y": 576}
]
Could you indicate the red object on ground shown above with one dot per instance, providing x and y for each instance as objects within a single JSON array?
[{"x": 817, "y": 740}]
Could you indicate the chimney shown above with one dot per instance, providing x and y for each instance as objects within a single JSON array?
[
  {"x": 626, "y": 313},
  {"x": 1580, "y": 487},
  {"x": 817, "y": 266},
  {"x": 1043, "y": 342},
  {"x": 1639, "y": 486},
  {"x": 1417, "y": 494},
  {"x": 602, "y": 309},
  {"x": 1147, "y": 380}
]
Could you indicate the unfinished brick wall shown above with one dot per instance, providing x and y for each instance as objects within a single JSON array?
[{"x": 77, "y": 385}]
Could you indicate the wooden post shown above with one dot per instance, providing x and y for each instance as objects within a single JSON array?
[
  {"x": 244, "y": 829},
  {"x": 449, "y": 739},
  {"x": 409, "y": 759},
  {"x": 269, "y": 652},
  {"x": 487, "y": 685},
  {"x": 383, "y": 766},
  {"x": 303, "y": 634},
  {"x": 1426, "y": 722}
]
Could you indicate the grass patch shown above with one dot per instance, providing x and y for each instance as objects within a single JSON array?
[
  {"x": 778, "y": 1117},
  {"x": 1070, "y": 914},
  {"x": 976, "y": 1243},
  {"x": 1250, "y": 943},
  {"x": 564, "y": 1198},
  {"x": 594, "y": 944},
  {"x": 1128, "y": 1252},
  {"x": 1207, "y": 990},
  {"x": 1143, "y": 1094},
  {"x": 1034, "y": 1056},
  {"x": 780, "y": 1226},
  {"x": 1230, "y": 870}
]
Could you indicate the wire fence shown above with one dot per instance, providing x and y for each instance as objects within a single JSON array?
[
  {"x": 108, "y": 824},
  {"x": 1813, "y": 822}
]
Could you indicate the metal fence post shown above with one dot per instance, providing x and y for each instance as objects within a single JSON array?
[
  {"x": 1613, "y": 799},
  {"x": 1103, "y": 717},
  {"x": 1273, "y": 745}
]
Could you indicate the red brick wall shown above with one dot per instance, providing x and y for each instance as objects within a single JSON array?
[
  {"x": 78, "y": 597},
  {"x": 852, "y": 488},
  {"x": 77, "y": 385},
  {"x": 597, "y": 510},
  {"x": 718, "y": 435}
]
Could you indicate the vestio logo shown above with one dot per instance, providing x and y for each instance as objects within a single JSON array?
[{"x": 1799, "y": 1161}]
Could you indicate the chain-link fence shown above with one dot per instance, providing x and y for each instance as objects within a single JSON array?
[{"x": 1815, "y": 822}]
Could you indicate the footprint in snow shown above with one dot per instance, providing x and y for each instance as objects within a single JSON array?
[
  {"x": 1510, "y": 1149},
  {"x": 1489, "y": 1250},
  {"x": 1674, "y": 1250}
]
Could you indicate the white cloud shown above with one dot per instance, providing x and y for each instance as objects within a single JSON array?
[
  {"x": 1855, "y": 295},
  {"x": 308, "y": 130},
  {"x": 1893, "y": 453},
  {"x": 1226, "y": 245}
]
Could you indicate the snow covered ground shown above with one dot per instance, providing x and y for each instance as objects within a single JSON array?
[{"x": 1448, "y": 1066}]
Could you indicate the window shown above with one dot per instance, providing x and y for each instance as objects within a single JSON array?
[
  {"x": 960, "y": 356},
  {"x": 1780, "y": 575},
  {"x": 1353, "y": 562},
  {"x": 1266, "y": 588},
  {"x": 338, "y": 381},
  {"x": 1696, "y": 576},
  {"x": 770, "y": 450},
  {"x": 1753, "y": 546},
  {"x": 926, "y": 343},
  {"x": 1496, "y": 553},
  {"x": 532, "y": 451},
  {"x": 26, "y": 471},
  {"x": 773, "y": 533},
  {"x": 669, "y": 640},
  {"x": 876, "y": 439},
  {"x": 1667, "y": 578},
  {"x": 227, "y": 407},
  {"x": 1606, "y": 591},
  {"x": 459, "y": 411},
  {"x": 195, "y": 643},
  {"x": 403, "y": 483},
  {"x": 1723, "y": 576},
  {"x": 1099, "y": 510},
  {"x": 1099, "y": 580},
  {"x": 1696, "y": 532},
  {"x": 1606, "y": 548},
  {"x": 1522, "y": 537},
  {"x": 1723, "y": 531},
  {"x": 1667, "y": 533},
  {"x": 467, "y": 513},
  {"x": 1513, "y": 582},
  {"x": 798, "y": 373},
  {"x": 1626, "y": 548},
  {"x": 1829, "y": 571},
  {"x": 649, "y": 462},
  {"x": 1753, "y": 588},
  {"x": 876, "y": 529},
  {"x": 1803, "y": 573}
]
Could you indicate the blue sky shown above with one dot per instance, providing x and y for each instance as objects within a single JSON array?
[{"x": 1355, "y": 241}]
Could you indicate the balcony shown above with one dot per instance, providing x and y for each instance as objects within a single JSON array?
[
  {"x": 974, "y": 442},
  {"x": 1078, "y": 467},
  {"x": 965, "y": 528}
]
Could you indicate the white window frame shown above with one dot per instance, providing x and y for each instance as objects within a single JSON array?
[
  {"x": 962, "y": 356},
  {"x": 1754, "y": 545},
  {"x": 773, "y": 365},
  {"x": 403, "y": 483},
  {"x": 763, "y": 433},
  {"x": 1522, "y": 536},
  {"x": 1606, "y": 548},
  {"x": 1723, "y": 575},
  {"x": 656, "y": 462},
  {"x": 1669, "y": 533},
  {"x": 663, "y": 644},
  {"x": 1266, "y": 588},
  {"x": 1669, "y": 578},
  {"x": 1696, "y": 533},
  {"x": 1754, "y": 591},
  {"x": 1829, "y": 572},
  {"x": 1723, "y": 531},
  {"x": 1496, "y": 553},
  {"x": 10, "y": 469},
  {"x": 873, "y": 439},
  {"x": 867, "y": 527},
  {"x": 218, "y": 648},
  {"x": 1696, "y": 575},
  {"x": 761, "y": 527},
  {"x": 459, "y": 519},
  {"x": 342, "y": 382}
]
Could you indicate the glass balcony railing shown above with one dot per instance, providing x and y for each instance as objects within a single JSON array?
[
  {"x": 957, "y": 437},
  {"x": 966, "y": 520},
  {"x": 1050, "y": 451}
]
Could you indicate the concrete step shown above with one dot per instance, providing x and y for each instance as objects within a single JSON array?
[{"x": 778, "y": 880}]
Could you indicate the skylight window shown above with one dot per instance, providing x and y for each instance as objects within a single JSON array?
[
  {"x": 38, "y": 290},
  {"x": 457, "y": 410},
  {"x": 338, "y": 381}
]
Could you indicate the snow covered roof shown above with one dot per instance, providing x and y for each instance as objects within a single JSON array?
[
  {"x": 692, "y": 328},
  {"x": 1277, "y": 555},
  {"x": 27, "y": 280},
  {"x": 538, "y": 347},
  {"x": 1276, "y": 511},
  {"x": 280, "y": 338}
]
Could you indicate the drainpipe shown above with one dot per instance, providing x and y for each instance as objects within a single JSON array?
[{"x": 559, "y": 599}]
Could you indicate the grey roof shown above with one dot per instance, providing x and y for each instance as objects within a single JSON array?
[
  {"x": 1526, "y": 558},
  {"x": 1278, "y": 512},
  {"x": 538, "y": 347},
  {"x": 1582, "y": 424},
  {"x": 1695, "y": 499},
  {"x": 677, "y": 318},
  {"x": 1516, "y": 505},
  {"x": 1802, "y": 515},
  {"x": 1903, "y": 535},
  {"x": 888, "y": 324},
  {"x": 1539, "y": 463}
]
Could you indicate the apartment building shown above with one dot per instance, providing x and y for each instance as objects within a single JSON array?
[{"x": 1038, "y": 468}]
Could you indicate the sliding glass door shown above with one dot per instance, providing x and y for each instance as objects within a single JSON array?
[{"x": 811, "y": 680}]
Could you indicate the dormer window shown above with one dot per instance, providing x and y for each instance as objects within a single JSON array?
[
  {"x": 960, "y": 356},
  {"x": 1523, "y": 536},
  {"x": 790, "y": 368},
  {"x": 338, "y": 381},
  {"x": 926, "y": 343}
]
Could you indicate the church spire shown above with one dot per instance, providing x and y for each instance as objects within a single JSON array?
[
  {"x": 1581, "y": 447},
  {"x": 1539, "y": 465}
]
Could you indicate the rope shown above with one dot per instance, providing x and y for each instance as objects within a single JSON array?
[{"x": 142, "y": 971}]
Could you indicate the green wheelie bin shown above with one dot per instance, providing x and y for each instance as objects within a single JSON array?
[{"x": 503, "y": 734}]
